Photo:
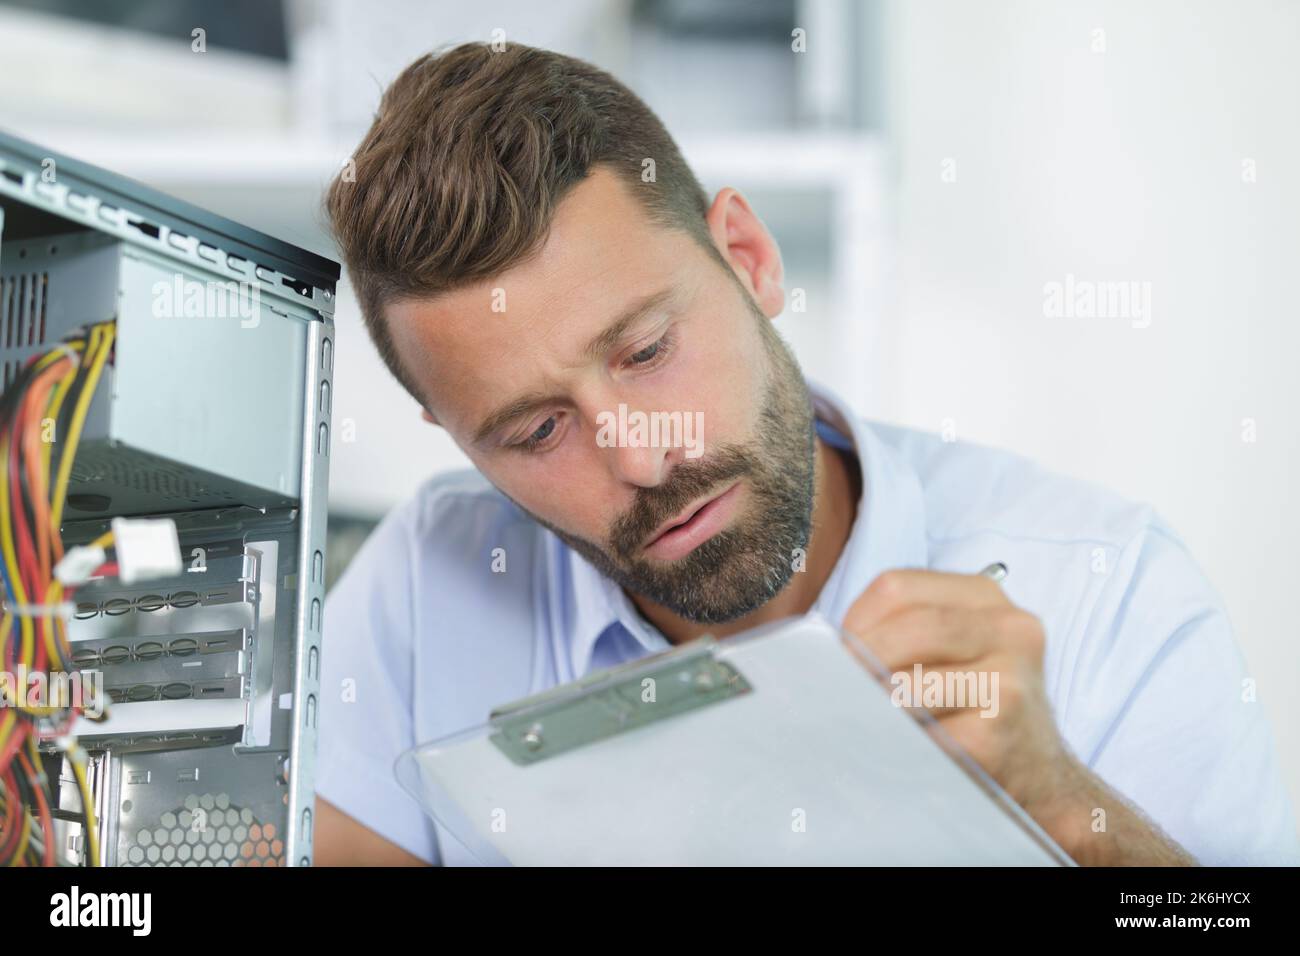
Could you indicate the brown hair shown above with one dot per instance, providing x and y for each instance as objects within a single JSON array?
[{"x": 468, "y": 156}]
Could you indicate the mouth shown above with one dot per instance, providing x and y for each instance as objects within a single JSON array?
[{"x": 696, "y": 524}]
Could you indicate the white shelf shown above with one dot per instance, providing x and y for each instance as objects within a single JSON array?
[
  {"x": 835, "y": 250},
  {"x": 778, "y": 158}
]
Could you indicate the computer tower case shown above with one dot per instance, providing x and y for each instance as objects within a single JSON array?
[{"x": 214, "y": 411}]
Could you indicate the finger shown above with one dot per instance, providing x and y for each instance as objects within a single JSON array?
[
  {"x": 896, "y": 589},
  {"x": 930, "y": 634}
]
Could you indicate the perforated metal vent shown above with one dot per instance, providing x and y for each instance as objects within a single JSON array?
[
  {"x": 23, "y": 299},
  {"x": 207, "y": 831},
  {"x": 96, "y": 465}
]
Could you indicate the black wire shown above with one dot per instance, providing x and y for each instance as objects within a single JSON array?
[
  {"x": 25, "y": 795},
  {"x": 26, "y": 787}
]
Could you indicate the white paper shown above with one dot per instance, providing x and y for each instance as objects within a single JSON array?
[{"x": 814, "y": 767}]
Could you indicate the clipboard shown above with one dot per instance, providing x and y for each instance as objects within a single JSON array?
[{"x": 780, "y": 746}]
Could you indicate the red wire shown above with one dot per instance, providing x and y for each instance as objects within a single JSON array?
[
  {"x": 34, "y": 576},
  {"x": 28, "y": 569},
  {"x": 47, "y": 826},
  {"x": 21, "y": 729},
  {"x": 11, "y": 815},
  {"x": 22, "y": 536}
]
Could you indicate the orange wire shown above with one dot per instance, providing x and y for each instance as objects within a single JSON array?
[
  {"x": 33, "y": 404},
  {"x": 47, "y": 826}
]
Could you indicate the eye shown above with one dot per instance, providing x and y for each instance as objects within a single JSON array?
[
  {"x": 653, "y": 352},
  {"x": 646, "y": 354},
  {"x": 539, "y": 437}
]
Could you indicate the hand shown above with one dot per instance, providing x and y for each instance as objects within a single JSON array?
[
  {"x": 963, "y": 625},
  {"x": 963, "y": 629}
]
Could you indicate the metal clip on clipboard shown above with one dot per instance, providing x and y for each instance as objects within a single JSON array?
[
  {"x": 614, "y": 701},
  {"x": 779, "y": 746}
]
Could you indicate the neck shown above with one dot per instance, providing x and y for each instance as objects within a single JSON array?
[{"x": 834, "y": 508}]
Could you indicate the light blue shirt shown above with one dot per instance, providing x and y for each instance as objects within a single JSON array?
[{"x": 423, "y": 638}]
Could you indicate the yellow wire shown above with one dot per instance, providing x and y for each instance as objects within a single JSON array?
[
  {"x": 56, "y": 636},
  {"x": 76, "y": 756},
  {"x": 60, "y": 389},
  {"x": 99, "y": 346},
  {"x": 27, "y": 818},
  {"x": 7, "y": 552},
  {"x": 101, "y": 337},
  {"x": 53, "y": 595},
  {"x": 40, "y": 484},
  {"x": 6, "y": 531},
  {"x": 79, "y": 419}
]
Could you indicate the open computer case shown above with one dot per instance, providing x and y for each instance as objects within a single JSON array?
[{"x": 221, "y": 423}]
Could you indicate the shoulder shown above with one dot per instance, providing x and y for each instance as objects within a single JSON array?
[
  {"x": 463, "y": 493},
  {"x": 1108, "y": 576},
  {"x": 1147, "y": 683},
  {"x": 454, "y": 515},
  {"x": 452, "y": 588},
  {"x": 971, "y": 490},
  {"x": 441, "y": 543}
]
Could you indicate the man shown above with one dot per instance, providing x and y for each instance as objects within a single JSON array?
[{"x": 533, "y": 259}]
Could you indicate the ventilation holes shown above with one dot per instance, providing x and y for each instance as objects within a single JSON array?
[
  {"x": 23, "y": 303},
  {"x": 102, "y": 466},
  {"x": 115, "y": 607},
  {"x": 207, "y": 831}
]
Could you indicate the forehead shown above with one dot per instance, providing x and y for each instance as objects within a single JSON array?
[{"x": 470, "y": 348}]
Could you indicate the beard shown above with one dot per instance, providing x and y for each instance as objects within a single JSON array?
[{"x": 745, "y": 565}]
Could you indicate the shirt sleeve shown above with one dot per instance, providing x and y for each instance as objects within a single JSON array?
[
  {"x": 1170, "y": 716},
  {"x": 367, "y": 717}
]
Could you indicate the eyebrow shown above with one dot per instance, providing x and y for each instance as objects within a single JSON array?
[
  {"x": 594, "y": 350},
  {"x": 634, "y": 313}
]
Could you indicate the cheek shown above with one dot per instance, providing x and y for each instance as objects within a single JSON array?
[
  {"x": 723, "y": 381},
  {"x": 568, "y": 487}
]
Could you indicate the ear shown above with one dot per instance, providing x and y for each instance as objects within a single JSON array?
[{"x": 750, "y": 249}]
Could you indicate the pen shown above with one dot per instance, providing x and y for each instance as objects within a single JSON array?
[{"x": 997, "y": 571}]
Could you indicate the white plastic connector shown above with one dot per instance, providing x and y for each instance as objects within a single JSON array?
[
  {"x": 78, "y": 564},
  {"x": 146, "y": 548}
]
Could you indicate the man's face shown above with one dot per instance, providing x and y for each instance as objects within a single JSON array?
[{"x": 528, "y": 371}]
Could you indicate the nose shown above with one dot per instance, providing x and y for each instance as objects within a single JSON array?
[
  {"x": 645, "y": 467},
  {"x": 631, "y": 447},
  {"x": 634, "y": 451}
]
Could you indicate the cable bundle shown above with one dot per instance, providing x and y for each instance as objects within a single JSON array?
[{"x": 41, "y": 419}]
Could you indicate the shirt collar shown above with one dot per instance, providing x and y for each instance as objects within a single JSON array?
[{"x": 888, "y": 532}]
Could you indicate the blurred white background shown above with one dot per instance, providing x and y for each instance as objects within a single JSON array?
[{"x": 929, "y": 166}]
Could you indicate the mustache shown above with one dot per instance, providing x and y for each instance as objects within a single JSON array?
[{"x": 689, "y": 481}]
